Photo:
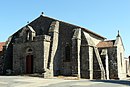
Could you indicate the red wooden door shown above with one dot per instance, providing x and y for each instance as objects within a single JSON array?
[{"x": 29, "y": 64}]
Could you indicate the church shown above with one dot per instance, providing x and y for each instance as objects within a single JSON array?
[{"x": 51, "y": 47}]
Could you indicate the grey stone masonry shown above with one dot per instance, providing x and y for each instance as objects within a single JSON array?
[
  {"x": 76, "y": 43},
  {"x": 46, "y": 45},
  {"x": 91, "y": 61},
  {"x": 100, "y": 63},
  {"x": 54, "y": 32}
]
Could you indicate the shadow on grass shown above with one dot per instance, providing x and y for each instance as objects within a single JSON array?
[{"x": 122, "y": 82}]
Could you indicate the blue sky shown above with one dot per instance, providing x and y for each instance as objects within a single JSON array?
[{"x": 104, "y": 17}]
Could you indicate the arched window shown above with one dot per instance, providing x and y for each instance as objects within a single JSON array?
[
  {"x": 67, "y": 53},
  {"x": 29, "y": 50}
]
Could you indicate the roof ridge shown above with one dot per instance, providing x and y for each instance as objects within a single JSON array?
[{"x": 85, "y": 29}]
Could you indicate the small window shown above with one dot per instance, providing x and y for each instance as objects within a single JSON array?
[
  {"x": 27, "y": 35},
  {"x": 29, "y": 50},
  {"x": 67, "y": 53},
  {"x": 121, "y": 58}
]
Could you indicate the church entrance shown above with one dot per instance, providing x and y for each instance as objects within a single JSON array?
[{"x": 29, "y": 64}]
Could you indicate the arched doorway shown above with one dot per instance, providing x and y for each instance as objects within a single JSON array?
[{"x": 29, "y": 64}]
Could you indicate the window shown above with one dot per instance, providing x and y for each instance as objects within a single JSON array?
[
  {"x": 67, "y": 53},
  {"x": 29, "y": 50},
  {"x": 27, "y": 33},
  {"x": 121, "y": 58}
]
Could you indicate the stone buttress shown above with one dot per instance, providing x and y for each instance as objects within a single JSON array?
[{"x": 54, "y": 33}]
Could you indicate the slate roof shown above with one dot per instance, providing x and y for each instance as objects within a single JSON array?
[
  {"x": 48, "y": 20},
  {"x": 1, "y": 45},
  {"x": 43, "y": 22},
  {"x": 86, "y": 30},
  {"x": 106, "y": 44}
]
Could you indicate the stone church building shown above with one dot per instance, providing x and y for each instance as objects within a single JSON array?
[{"x": 51, "y": 47}]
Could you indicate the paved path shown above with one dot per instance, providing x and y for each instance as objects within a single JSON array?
[{"x": 25, "y": 81}]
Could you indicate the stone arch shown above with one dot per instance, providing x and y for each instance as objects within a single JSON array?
[{"x": 29, "y": 50}]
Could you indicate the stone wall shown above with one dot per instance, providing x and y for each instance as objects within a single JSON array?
[
  {"x": 113, "y": 66},
  {"x": 85, "y": 72},
  {"x": 20, "y": 52},
  {"x": 120, "y": 57},
  {"x": 96, "y": 68},
  {"x": 65, "y": 39},
  {"x": 127, "y": 66},
  {"x": 1, "y": 62},
  {"x": 111, "y": 70},
  {"x": 8, "y": 55}
]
